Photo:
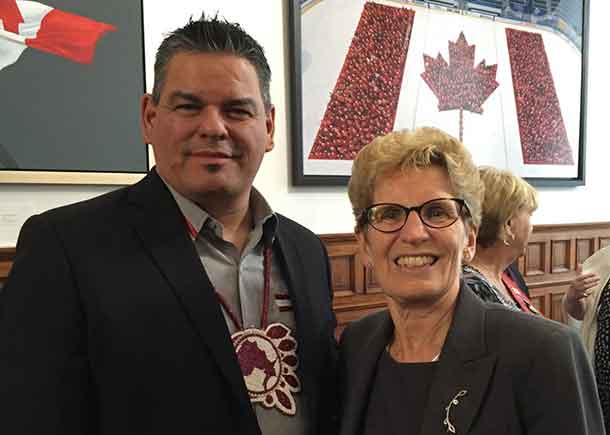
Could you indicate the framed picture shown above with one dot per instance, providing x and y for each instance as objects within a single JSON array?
[
  {"x": 507, "y": 77},
  {"x": 71, "y": 78}
]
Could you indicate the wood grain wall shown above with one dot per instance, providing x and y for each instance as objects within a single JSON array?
[
  {"x": 6, "y": 261},
  {"x": 548, "y": 266}
]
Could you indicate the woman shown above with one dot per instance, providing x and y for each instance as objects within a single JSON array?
[
  {"x": 505, "y": 229},
  {"x": 588, "y": 301},
  {"x": 439, "y": 359}
]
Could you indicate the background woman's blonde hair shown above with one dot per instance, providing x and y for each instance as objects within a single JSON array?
[
  {"x": 505, "y": 195},
  {"x": 420, "y": 148}
]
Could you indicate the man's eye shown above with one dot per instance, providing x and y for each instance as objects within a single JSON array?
[
  {"x": 238, "y": 113},
  {"x": 187, "y": 108}
]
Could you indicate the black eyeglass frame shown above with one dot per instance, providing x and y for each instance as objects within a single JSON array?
[{"x": 417, "y": 209}]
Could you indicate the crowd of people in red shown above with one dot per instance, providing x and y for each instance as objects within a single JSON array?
[
  {"x": 363, "y": 103},
  {"x": 543, "y": 134}
]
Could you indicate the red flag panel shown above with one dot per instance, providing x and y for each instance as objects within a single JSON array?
[
  {"x": 543, "y": 134},
  {"x": 10, "y": 15},
  {"x": 68, "y": 35},
  {"x": 363, "y": 103}
]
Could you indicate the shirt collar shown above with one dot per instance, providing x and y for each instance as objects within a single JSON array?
[{"x": 198, "y": 217}]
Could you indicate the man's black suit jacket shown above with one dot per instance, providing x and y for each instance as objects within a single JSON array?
[{"x": 109, "y": 324}]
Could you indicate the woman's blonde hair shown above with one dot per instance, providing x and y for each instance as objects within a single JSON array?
[
  {"x": 505, "y": 195},
  {"x": 416, "y": 149}
]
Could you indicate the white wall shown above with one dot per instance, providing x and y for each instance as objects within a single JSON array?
[{"x": 327, "y": 210}]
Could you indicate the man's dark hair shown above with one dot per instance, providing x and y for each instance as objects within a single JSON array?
[{"x": 212, "y": 35}]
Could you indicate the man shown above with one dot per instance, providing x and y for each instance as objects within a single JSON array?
[
  {"x": 587, "y": 305},
  {"x": 181, "y": 304}
]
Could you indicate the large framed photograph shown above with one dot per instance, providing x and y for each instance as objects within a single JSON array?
[
  {"x": 507, "y": 77},
  {"x": 71, "y": 77}
]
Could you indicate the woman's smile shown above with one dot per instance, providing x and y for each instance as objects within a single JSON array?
[{"x": 415, "y": 261}]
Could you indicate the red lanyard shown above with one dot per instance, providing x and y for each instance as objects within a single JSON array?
[
  {"x": 267, "y": 252},
  {"x": 522, "y": 300}
]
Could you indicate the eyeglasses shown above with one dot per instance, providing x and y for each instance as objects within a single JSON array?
[{"x": 436, "y": 213}]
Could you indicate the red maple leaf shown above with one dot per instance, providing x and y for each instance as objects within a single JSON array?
[{"x": 457, "y": 84}]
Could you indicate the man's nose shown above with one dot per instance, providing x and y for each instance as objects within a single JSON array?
[{"x": 212, "y": 123}]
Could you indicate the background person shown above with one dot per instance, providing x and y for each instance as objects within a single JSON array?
[
  {"x": 588, "y": 300},
  {"x": 182, "y": 304},
  {"x": 513, "y": 273},
  {"x": 508, "y": 204},
  {"x": 439, "y": 359}
]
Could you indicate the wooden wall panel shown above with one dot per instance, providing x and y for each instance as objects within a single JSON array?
[
  {"x": 584, "y": 249},
  {"x": 548, "y": 266},
  {"x": 535, "y": 259},
  {"x": 538, "y": 302},
  {"x": 372, "y": 286},
  {"x": 6, "y": 261},
  {"x": 343, "y": 275},
  {"x": 556, "y": 297},
  {"x": 560, "y": 256}
]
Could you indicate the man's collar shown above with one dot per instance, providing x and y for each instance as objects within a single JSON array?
[{"x": 198, "y": 217}]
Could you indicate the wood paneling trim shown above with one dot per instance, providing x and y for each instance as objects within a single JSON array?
[
  {"x": 548, "y": 266},
  {"x": 6, "y": 261}
]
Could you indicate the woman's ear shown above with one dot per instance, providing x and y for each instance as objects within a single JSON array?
[
  {"x": 363, "y": 247},
  {"x": 467, "y": 255},
  {"x": 470, "y": 244},
  {"x": 508, "y": 228}
]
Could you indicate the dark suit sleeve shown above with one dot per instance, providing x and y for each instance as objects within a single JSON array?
[
  {"x": 330, "y": 397},
  {"x": 330, "y": 290},
  {"x": 44, "y": 377},
  {"x": 559, "y": 394},
  {"x": 343, "y": 370}
]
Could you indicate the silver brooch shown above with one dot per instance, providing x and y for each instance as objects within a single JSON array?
[{"x": 454, "y": 401}]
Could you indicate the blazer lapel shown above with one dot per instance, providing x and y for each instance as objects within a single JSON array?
[
  {"x": 287, "y": 254},
  {"x": 357, "y": 388},
  {"x": 158, "y": 222},
  {"x": 464, "y": 372},
  {"x": 292, "y": 267}
]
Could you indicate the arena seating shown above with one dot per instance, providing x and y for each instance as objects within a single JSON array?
[
  {"x": 363, "y": 103},
  {"x": 564, "y": 16},
  {"x": 541, "y": 127}
]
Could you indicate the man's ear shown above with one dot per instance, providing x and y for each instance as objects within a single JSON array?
[
  {"x": 270, "y": 124},
  {"x": 148, "y": 113}
]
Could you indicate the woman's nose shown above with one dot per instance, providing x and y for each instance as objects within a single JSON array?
[{"x": 414, "y": 229}]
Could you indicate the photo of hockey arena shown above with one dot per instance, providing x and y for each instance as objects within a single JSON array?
[{"x": 504, "y": 76}]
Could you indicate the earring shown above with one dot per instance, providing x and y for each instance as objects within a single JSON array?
[{"x": 505, "y": 242}]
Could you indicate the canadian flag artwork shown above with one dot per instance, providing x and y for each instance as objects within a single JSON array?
[
  {"x": 31, "y": 24},
  {"x": 510, "y": 90}
]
